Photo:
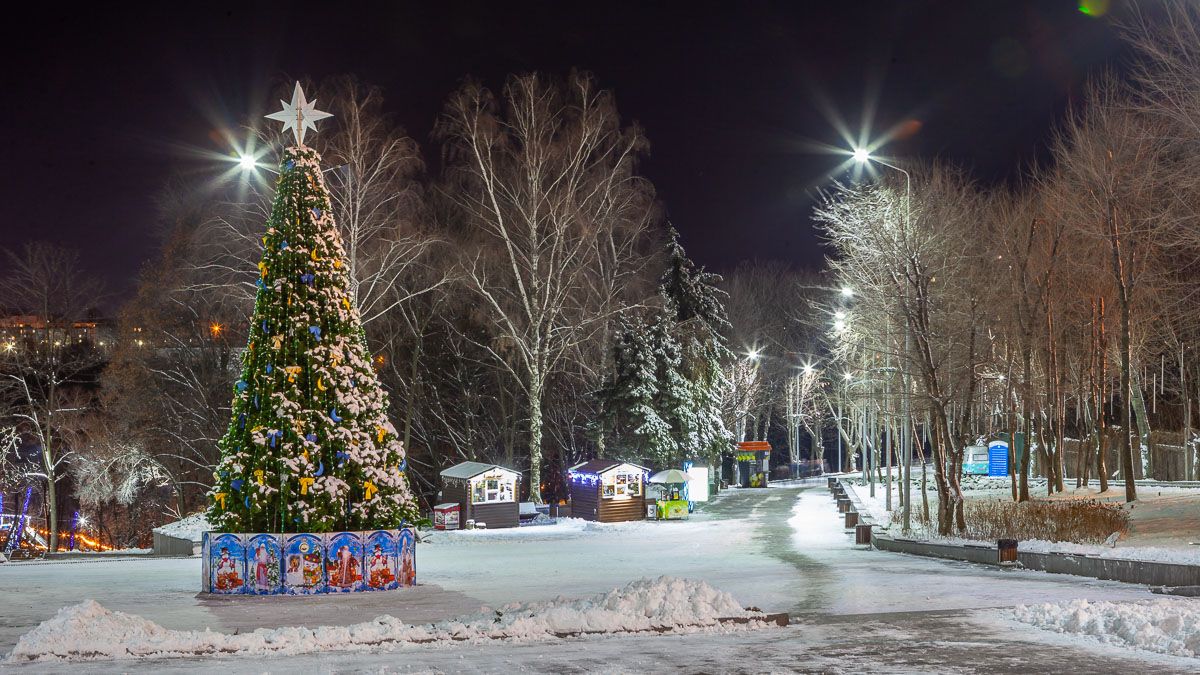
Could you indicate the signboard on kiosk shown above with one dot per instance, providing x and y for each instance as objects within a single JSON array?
[{"x": 997, "y": 458}]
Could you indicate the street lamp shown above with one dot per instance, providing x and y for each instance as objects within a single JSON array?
[
  {"x": 862, "y": 155},
  {"x": 247, "y": 162}
]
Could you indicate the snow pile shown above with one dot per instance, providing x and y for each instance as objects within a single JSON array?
[
  {"x": 191, "y": 528},
  {"x": 88, "y": 631},
  {"x": 1167, "y": 625}
]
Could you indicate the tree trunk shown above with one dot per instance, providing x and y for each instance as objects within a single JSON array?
[
  {"x": 51, "y": 501},
  {"x": 535, "y": 438},
  {"x": 1027, "y": 441},
  {"x": 1145, "y": 445}
]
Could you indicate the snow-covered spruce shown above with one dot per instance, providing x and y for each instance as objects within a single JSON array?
[
  {"x": 1164, "y": 625},
  {"x": 88, "y": 631},
  {"x": 662, "y": 399}
]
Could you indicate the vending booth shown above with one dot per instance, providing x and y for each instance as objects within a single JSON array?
[
  {"x": 608, "y": 490},
  {"x": 754, "y": 463},
  {"x": 485, "y": 493}
]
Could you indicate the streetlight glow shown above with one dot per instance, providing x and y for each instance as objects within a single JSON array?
[
  {"x": 861, "y": 155},
  {"x": 247, "y": 162},
  {"x": 847, "y": 292}
]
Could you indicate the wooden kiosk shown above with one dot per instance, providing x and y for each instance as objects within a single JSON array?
[
  {"x": 487, "y": 493},
  {"x": 608, "y": 491}
]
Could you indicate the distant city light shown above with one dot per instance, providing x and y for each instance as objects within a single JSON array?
[{"x": 216, "y": 329}]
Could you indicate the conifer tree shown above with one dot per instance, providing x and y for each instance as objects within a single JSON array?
[
  {"x": 631, "y": 397},
  {"x": 694, "y": 301},
  {"x": 662, "y": 400},
  {"x": 309, "y": 447}
]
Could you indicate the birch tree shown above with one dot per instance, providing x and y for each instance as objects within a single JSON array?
[{"x": 543, "y": 178}]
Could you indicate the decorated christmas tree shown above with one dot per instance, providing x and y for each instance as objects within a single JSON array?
[{"x": 309, "y": 447}]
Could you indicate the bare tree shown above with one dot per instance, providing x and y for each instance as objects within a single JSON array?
[
  {"x": 1110, "y": 157},
  {"x": 48, "y": 371},
  {"x": 543, "y": 180}
]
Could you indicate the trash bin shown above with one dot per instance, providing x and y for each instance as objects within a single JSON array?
[
  {"x": 862, "y": 534},
  {"x": 1007, "y": 552},
  {"x": 445, "y": 516},
  {"x": 851, "y": 520}
]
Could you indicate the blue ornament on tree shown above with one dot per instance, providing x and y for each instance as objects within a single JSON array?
[
  {"x": 333, "y": 415},
  {"x": 266, "y": 328},
  {"x": 236, "y": 484},
  {"x": 260, "y": 283},
  {"x": 242, "y": 418},
  {"x": 283, "y": 245},
  {"x": 311, "y": 438},
  {"x": 343, "y": 456},
  {"x": 247, "y": 501},
  {"x": 269, "y": 369},
  {"x": 316, "y": 211},
  {"x": 320, "y": 468},
  {"x": 289, "y": 165},
  {"x": 307, "y": 278},
  {"x": 241, "y": 385},
  {"x": 316, "y": 331}
]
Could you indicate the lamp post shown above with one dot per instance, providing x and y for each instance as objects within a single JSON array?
[{"x": 862, "y": 155}]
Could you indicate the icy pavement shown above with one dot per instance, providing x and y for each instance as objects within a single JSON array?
[{"x": 781, "y": 549}]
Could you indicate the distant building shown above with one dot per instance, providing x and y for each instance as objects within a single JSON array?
[{"x": 17, "y": 329}]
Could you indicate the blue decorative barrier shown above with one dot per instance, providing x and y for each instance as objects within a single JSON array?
[{"x": 307, "y": 564}]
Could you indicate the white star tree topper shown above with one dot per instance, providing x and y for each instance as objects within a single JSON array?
[{"x": 299, "y": 115}]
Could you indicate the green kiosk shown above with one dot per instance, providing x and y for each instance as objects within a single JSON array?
[{"x": 672, "y": 506}]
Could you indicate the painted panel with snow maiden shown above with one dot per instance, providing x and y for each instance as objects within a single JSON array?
[
  {"x": 264, "y": 564},
  {"x": 343, "y": 561},
  {"x": 226, "y": 558},
  {"x": 379, "y": 567},
  {"x": 304, "y": 571},
  {"x": 407, "y": 545}
]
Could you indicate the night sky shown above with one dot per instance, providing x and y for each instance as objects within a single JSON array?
[{"x": 103, "y": 103}]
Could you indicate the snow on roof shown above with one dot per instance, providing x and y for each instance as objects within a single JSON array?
[
  {"x": 191, "y": 528},
  {"x": 468, "y": 470},
  {"x": 599, "y": 466}
]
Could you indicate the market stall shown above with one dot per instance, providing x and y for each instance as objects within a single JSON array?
[
  {"x": 753, "y": 463},
  {"x": 672, "y": 505},
  {"x": 485, "y": 493},
  {"x": 608, "y": 491}
]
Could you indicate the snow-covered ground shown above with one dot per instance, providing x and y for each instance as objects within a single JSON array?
[
  {"x": 1164, "y": 522},
  {"x": 781, "y": 550}
]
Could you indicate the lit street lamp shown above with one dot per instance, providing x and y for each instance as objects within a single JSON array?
[{"x": 862, "y": 155}]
